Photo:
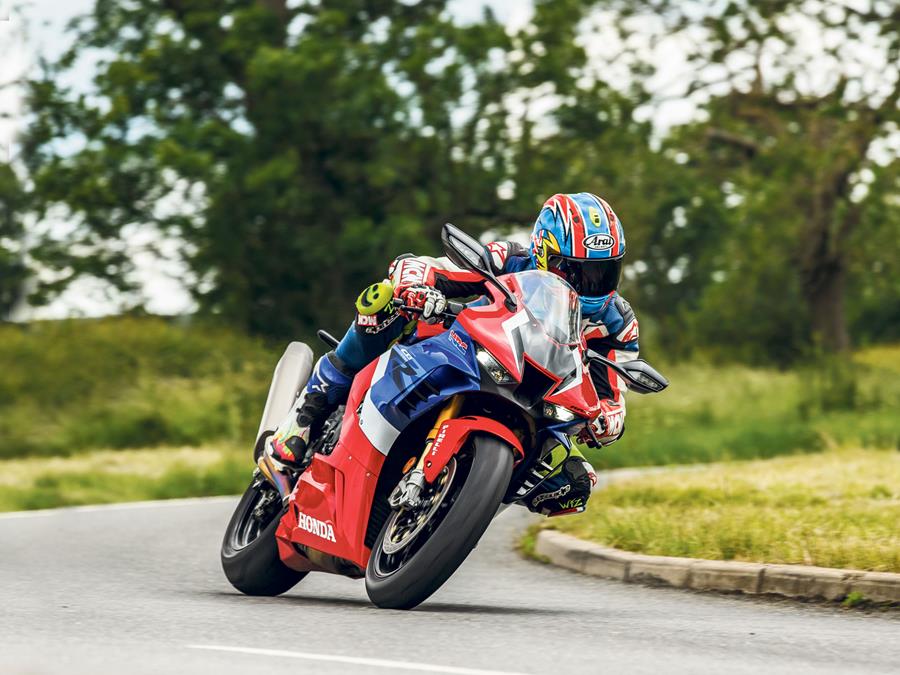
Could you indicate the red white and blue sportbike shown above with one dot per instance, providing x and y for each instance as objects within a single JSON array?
[{"x": 437, "y": 436}]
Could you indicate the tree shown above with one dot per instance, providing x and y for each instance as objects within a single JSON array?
[
  {"x": 295, "y": 148},
  {"x": 800, "y": 98},
  {"x": 13, "y": 272}
]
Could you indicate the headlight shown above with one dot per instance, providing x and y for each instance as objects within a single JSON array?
[
  {"x": 557, "y": 412},
  {"x": 492, "y": 366}
]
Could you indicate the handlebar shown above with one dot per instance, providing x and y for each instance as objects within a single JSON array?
[{"x": 448, "y": 315}]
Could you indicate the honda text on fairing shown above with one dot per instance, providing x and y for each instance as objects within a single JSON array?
[{"x": 436, "y": 436}]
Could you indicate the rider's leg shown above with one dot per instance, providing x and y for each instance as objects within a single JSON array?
[
  {"x": 326, "y": 389},
  {"x": 568, "y": 488},
  {"x": 377, "y": 324}
]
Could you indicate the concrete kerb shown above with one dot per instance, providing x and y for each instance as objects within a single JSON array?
[{"x": 791, "y": 581}]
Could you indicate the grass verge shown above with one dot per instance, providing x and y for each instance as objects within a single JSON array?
[
  {"x": 68, "y": 387},
  {"x": 108, "y": 476},
  {"x": 732, "y": 412},
  {"x": 836, "y": 509}
]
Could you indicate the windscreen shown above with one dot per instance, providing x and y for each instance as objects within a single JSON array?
[{"x": 549, "y": 330}]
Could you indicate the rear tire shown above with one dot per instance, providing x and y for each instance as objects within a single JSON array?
[
  {"x": 474, "y": 505},
  {"x": 249, "y": 550}
]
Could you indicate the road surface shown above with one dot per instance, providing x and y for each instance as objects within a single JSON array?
[{"x": 138, "y": 589}]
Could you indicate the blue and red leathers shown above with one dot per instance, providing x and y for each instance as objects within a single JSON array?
[{"x": 610, "y": 328}]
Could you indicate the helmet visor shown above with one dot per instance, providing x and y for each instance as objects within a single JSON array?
[{"x": 592, "y": 278}]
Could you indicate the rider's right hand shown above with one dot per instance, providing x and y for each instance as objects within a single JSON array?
[{"x": 428, "y": 299}]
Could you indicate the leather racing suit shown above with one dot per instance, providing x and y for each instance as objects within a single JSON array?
[{"x": 610, "y": 329}]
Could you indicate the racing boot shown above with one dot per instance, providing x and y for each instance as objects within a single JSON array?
[
  {"x": 326, "y": 389},
  {"x": 567, "y": 488}
]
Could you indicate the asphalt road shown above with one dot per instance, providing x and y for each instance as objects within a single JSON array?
[{"x": 138, "y": 589}]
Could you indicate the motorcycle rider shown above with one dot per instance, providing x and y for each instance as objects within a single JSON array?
[{"x": 578, "y": 237}]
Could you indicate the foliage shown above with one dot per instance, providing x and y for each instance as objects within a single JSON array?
[
  {"x": 837, "y": 509},
  {"x": 799, "y": 101},
  {"x": 13, "y": 272},
  {"x": 294, "y": 148},
  {"x": 127, "y": 382},
  {"x": 105, "y": 477},
  {"x": 312, "y": 141},
  {"x": 712, "y": 413}
]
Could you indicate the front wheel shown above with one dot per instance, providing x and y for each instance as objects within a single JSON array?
[
  {"x": 416, "y": 552},
  {"x": 249, "y": 551}
]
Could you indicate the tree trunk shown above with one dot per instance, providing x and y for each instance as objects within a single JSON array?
[{"x": 823, "y": 289}]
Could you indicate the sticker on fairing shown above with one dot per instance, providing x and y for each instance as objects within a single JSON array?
[
  {"x": 458, "y": 342},
  {"x": 316, "y": 527}
]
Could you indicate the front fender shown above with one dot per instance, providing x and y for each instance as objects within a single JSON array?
[{"x": 453, "y": 434}]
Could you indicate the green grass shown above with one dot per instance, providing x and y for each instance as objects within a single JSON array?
[
  {"x": 713, "y": 413},
  {"x": 71, "y": 386},
  {"x": 837, "y": 509},
  {"x": 109, "y": 476}
]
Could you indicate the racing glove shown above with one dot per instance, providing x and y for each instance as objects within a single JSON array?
[
  {"x": 428, "y": 299},
  {"x": 607, "y": 427}
]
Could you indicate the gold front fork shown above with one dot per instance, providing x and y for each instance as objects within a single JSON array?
[
  {"x": 450, "y": 411},
  {"x": 407, "y": 493}
]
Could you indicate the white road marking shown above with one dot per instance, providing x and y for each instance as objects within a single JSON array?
[
  {"x": 122, "y": 506},
  {"x": 357, "y": 661}
]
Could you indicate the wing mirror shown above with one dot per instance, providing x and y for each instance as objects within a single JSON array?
[
  {"x": 639, "y": 375},
  {"x": 468, "y": 253}
]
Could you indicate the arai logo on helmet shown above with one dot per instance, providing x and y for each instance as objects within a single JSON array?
[{"x": 599, "y": 242}]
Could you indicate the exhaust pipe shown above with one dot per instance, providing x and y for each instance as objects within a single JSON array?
[
  {"x": 290, "y": 376},
  {"x": 291, "y": 373},
  {"x": 274, "y": 476}
]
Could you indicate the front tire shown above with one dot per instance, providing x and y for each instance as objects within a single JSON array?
[
  {"x": 249, "y": 550},
  {"x": 483, "y": 471}
]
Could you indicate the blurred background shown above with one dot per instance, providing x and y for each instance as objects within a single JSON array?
[{"x": 186, "y": 185}]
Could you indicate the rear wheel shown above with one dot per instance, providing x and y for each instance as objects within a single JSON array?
[
  {"x": 417, "y": 551},
  {"x": 249, "y": 550}
]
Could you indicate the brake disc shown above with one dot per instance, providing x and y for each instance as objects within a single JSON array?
[{"x": 405, "y": 525}]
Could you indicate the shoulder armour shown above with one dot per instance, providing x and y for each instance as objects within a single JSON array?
[
  {"x": 629, "y": 330},
  {"x": 393, "y": 265},
  {"x": 502, "y": 251},
  {"x": 624, "y": 308}
]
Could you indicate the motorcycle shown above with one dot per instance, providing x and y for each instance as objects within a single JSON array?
[{"x": 437, "y": 436}]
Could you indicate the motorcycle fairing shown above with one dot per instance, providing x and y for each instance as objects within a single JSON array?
[
  {"x": 387, "y": 395},
  {"x": 399, "y": 387},
  {"x": 342, "y": 482},
  {"x": 452, "y": 436},
  {"x": 500, "y": 333},
  {"x": 410, "y": 380}
]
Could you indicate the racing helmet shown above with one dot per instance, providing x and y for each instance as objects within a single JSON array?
[{"x": 580, "y": 238}]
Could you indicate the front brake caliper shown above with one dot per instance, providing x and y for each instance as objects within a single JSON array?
[{"x": 408, "y": 493}]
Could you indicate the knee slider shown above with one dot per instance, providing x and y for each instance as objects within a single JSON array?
[{"x": 375, "y": 298}]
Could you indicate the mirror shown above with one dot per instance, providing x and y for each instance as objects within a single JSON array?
[
  {"x": 465, "y": 251},
  {"x": 468, "y": 253},
  {"x": 644, "y": 378},
  {"x": 639, "y": 375}
]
